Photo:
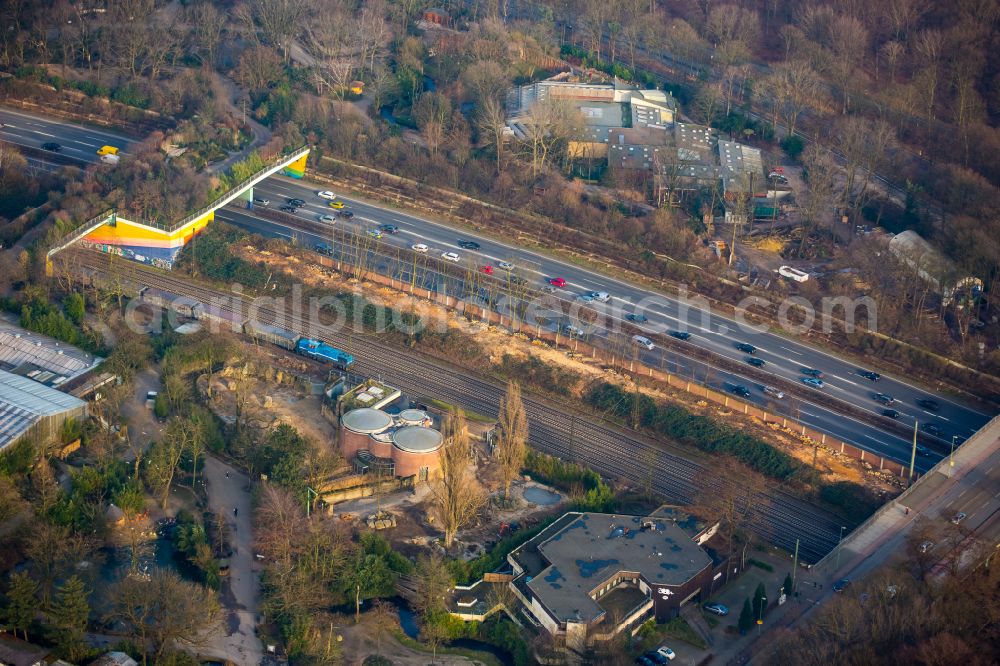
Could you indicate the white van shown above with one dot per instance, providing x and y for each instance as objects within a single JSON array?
[
  {"x": 643, "y": 342},
  {"x": 793, "y": 274}
]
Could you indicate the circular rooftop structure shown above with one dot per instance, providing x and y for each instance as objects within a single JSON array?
[
  {"x": 366, "y": 420},
  {"x": 417, "y": 439},
  {"x": 412, "y": 417}
]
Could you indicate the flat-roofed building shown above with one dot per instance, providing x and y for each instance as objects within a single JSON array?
[{"x": 27, "y": 407}]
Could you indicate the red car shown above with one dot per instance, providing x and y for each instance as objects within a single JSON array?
[
  {"x": 557, "y": 282},
  {"x": 486, "y": 269}
]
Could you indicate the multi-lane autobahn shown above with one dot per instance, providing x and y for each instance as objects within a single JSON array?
[
  {"x": 76, "y": 142},
  {"x": 784, "y": 356}
]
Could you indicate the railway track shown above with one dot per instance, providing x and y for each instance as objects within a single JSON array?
[{"x": 555, "y": 428}]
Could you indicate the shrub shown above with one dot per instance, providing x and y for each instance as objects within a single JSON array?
[{"x": 793, "y": 146}]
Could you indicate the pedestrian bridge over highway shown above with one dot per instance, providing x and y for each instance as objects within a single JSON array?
[{"x": 157, "y": 243}]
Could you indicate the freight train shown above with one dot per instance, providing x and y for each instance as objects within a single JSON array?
[{"x": 221, "y": 318}]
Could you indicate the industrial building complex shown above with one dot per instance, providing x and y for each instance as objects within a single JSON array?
[{"x": 403, "y": 445}]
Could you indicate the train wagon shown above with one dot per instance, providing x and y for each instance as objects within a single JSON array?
[
  {"x": 182, "y": 305},
  {"x": 324, "y": 352},
  {"x": 218, "y": 319},
  {"x": 273, "y": 334}
]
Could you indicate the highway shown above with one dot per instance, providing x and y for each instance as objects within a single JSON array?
[
  {"x": 77, "y": 142},
  {"x": 785, "y": 357},
  {"x": 554, "y": 428}
]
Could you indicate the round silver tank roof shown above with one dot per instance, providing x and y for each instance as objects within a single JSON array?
[
  {"x": 366, "y": 420},
  {"x": 413, "y": 416},
  {"x": 417, "y": 439}
]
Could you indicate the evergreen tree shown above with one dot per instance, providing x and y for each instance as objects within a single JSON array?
[
  {"x": 69, "y": 617},
  {"x": 23, "y": 602},
  {"x": 746, "y": 617},
  {"x": 787, "y": 587},
  {"x": 759, "y": 599}
]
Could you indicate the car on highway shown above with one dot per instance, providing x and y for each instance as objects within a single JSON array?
[
  {"x": 740, "y": 390},
  {"x": 336, "y": 205},
  {"x": 297, "y": 203},
  {"x": 746, "y": 348},
  {"x": 389, "y": 229},
  {"x": 486, "y": 269},
  {"x": 374, "y": 233},
  {"x": 666, "y": 652},
  {"x": 812, "y": 381},
  {"x": 643, "y": 341},
  {"x": 923, "y": 451},
  {"x": 959, "y": 517},
  {"x": 261, "y": 201},
  {"x": 927, "y": 403},
  {"x": 323, "y": 248},
  {"x": 346, "y": 214},
  {"x": 557, "y": 282},
  {"x": 600, "y": 296},
  {"x": 570, "y": 329},
  {"x": 774, "y": 392},
  {"x": 933, "y": 429},
  {"x": 925, "y": 546},
  {"x": 637, "y": 318},
  {"x": 883, "y": 398},
  {"x": 51, "y": 146},
  {"x": 450, "y": 256},
  {"x": 716, "y": 608},
  {"x": 891, "y": 413},
  {"x": 868, "y": 374},
  {"x": 326, "y": 194},
  {"x": 505, "y": 265},
  {"x": 288, "y": 209},
  {"x": 755, "y": 362},
  {"x": 680, "y": 335},
  {"x": 330, "y": 219},
  {"x": 812, "y": 372},
  {"x": 419, "y": 247},
  {"x": 468, "y": 245},
  {"x": 841, "y": 585}
]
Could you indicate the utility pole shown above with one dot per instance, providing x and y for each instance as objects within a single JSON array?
[
  {"x": 308, "y": 503},
  {"x": 839, "y": 542},
  {"x": 795, "y": 565},
  {"x": 951, "y": 458},
  {"x": 913, "y": 452}
]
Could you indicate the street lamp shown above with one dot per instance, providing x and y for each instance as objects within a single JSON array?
[
  {"x": 951, "y": 458},
  {"x": 839, "y": 541},
  {"x": 760, "y": 614}
]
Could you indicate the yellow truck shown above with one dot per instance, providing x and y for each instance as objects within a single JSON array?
[{"x": 107, "y": 150}]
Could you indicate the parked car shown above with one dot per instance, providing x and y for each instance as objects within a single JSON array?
[
  {"x": 326, "y": 194},
  {"x": 323, "y": 248},
  {"x": 925, "y": 546},
  {"x": 51, "y": 146},
  {"x": 637, "y": 318},
  {"x": 740, "y": 390},
  {"x": 389, "y": 229},
  {"x": 812, "y": 381},
  {"x": 450, "y": 256},
  {"x": 468, "y": 245},
  {"x": 261, "y": 201},
  {"x": 666, "y": 652},
  {"x": 959, "y": 517},
  {"x": 680, "y": 335},
  {"x": 643, "y": 341},
  {"x": 505, "y": 265},
  {"x": 643, "y": 660},
  {"x": 557, "y": 282},
  {"x": 756, "y": 362},
  {"x": 891, "y": 413},
  {"x": 716, "y": 608},
  {"x": 774, "y": 393},
  {"x": 330, "y": 219},
  {"x": 793, "y": 274},
  {"x": 928, "y": 403},
  {"x": 868, "y": 374},
  {"x": 746, "y": 348},
  {"x": 841, "y": 585},
  {"x": 419, "y": 247},
  {"x": 656, "y": 658},
  {"x": 812, "y": 372},
  {"x": 884, "y": 398}
]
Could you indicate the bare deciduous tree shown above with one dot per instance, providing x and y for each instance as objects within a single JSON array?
[
  {"x": 512, "y": 437},
  {"x": 456, "y": 492}
]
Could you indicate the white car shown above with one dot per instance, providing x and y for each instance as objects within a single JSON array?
[
  {"x": 505, "y": 265},
  {"x": 327, "y": 218},
  {"x": 666, "y": 652},
  {"x": 450, "y": 256},
  {"x": 643, "y": 341},
  {"x": 326, "y": 194},
  {"x": 419, "y": 247},
  {"x": 793, "y": 274},
  {"x": 600, "y": 296}
]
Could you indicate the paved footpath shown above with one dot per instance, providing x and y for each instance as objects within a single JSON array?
[{"x": 240, "y": 595}]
